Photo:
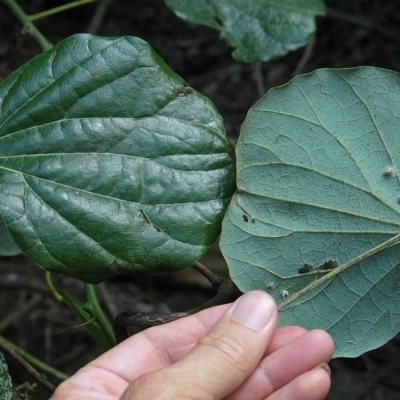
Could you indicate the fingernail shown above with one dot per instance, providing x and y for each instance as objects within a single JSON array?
[
  {"x": 325, "y": 367},
  {"x": 254, "y": 310}
]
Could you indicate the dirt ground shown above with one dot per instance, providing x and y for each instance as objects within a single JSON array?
[{"x": 358, "y": 32}]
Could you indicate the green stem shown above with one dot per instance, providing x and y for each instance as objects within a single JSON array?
[
  {"x": 59, "y": 9},
  {"x": 35, "y": 361},
  {"x": 29, "y": 27},
  {"x": 59, "y": 297},
  {"x": 93, "y": 306}
]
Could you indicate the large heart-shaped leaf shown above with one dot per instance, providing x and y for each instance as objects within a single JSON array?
[
  {"x": 318, "y": 191},
  {"x": 109, "y": 161},
  {"x": 261, "y": 30}
]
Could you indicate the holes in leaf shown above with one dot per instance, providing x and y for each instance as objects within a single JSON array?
[
  {"x": 246, "y": 218},
  {"x": 326, "y": 266},
  {"x": 305, "y": 269}
]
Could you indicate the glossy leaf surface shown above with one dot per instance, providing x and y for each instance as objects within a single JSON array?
[
  {"x": 8, "y": 247},
  {"x": 318, "y": 186},
  {"x": 109, "y": 161},
  {"x": 260, "y": 30}
]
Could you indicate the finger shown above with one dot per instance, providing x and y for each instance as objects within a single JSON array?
[
  {"x": 157, "y": 347},
  {"x": 279, "y": 368},
  {"x": 312, "y": 385},
  {"x": 221, "y": 360},
  {"x": 163, "y": 345},
  {"x": 283, "y": 336}
]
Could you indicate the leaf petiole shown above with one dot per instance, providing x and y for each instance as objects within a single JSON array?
[
  {"x": 92, "y": 305},
  {"x": 59, "y": 297},
  {"x": 29, "y": 27},
  {"x": 59, "y": 9}
]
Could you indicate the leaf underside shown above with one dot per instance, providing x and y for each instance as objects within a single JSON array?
[
  {"x": 109, "y": 161},
  {"x": 318, "y": 186},
  {"x": 260, "y": 30}
]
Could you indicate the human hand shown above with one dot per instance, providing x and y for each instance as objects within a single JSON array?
[{"x": 225, "y": 352}]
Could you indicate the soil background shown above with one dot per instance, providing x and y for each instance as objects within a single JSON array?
[{"x": 353, "y": 33}]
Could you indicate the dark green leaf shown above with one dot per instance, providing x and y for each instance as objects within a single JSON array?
[
  {"x": 109, "y": 162},
  {"x": 7, "y": 245},
  {"x": 261, "y": 30},
  {"x": 318, "y": 187},
  {"x": 5, "y": 379}
]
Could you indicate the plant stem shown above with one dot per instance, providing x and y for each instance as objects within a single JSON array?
[
  {"x": 98, "y": 16},
  {"x": 93, "y": 306},
  {"x": 56, "y": 10},
  {"x": 29, "y": 27},
  {"x": 259, "y": 78},
  {"x": 33, "y": 360},
  {"x": 305, "y": 57},
  {"x": 52, "y": 288}
]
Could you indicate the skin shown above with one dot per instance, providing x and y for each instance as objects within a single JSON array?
[{"x": 225, "y": 352}]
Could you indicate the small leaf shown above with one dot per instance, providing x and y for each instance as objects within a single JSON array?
[
  {"x": 311, "y": 163},
  {"x": 261, "y": 30},
  {"x": 5, "y": 379},
  {"x": 109, "y": 161},
  {"x": 8, "y": 247}
]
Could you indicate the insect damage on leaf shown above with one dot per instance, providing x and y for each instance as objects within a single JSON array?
[
  {"x": 271, "y": 285},
  {"x": 285, "y": 294},
  {"x": 326, "y": 266},
  {"x": 305, "y": 269},
  {"x": 389, "y": 171},
  {"x": 186, "y": 91}
]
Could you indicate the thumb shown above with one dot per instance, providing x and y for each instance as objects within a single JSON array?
[{"x": 221, "y": 360}]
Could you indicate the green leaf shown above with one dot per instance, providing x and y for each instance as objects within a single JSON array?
[
  {"x": 109, "y": 162},
  {"x": 8, "y": 247},
  {"x": 261, "y": 30},
  {"x": 318, "y": 186},
  {"x": 5, "y": 379}
]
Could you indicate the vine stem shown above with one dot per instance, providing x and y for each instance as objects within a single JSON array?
[
  {"x": 395, "y": 240},
  {"x": 59, "y": 297},
  {"x": 305, "y": 57},
  {"x": 93, "y": 307},
  {"x": 59, "y": 9},
  {"x": 29, "y": 27}
]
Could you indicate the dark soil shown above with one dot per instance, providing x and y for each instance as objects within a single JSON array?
[{"x": 358, "y": 32}]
